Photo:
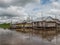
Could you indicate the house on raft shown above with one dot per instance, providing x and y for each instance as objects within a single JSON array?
[
  {"x": 47, "y": 23},
  {"x": 42, "y": 24},
  {"x": 21, "y": 25}
]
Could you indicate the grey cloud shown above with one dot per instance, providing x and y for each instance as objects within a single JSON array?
[
  {"x": 3, "y": 13},
  {"x": 15, "y": 3},
  {"x": 3, "y": 4},
  {"x": 21, "y": 2},
  {"x": 12, "y": 11},
  {"x": 14, "y": 8},
  {"x": 7, "y": 15}
]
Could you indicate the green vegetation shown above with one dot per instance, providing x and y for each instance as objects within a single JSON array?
[{"x": 5, "y": 25}]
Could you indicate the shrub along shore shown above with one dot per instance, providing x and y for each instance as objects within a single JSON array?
[{"x": 5, "y": 25}]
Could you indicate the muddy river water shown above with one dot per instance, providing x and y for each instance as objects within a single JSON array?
[{"x": 8, "y": 37}]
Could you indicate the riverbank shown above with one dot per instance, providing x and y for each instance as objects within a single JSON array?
[{"x": 5, "y": 25}]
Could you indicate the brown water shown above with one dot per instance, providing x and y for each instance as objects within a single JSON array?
[{"x": 8, "y": 37}]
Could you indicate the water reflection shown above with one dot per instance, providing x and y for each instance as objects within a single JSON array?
[{"x": 8, "y": 37}]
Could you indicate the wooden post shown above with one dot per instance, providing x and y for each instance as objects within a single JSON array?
[{"x": 24, "y": 25}]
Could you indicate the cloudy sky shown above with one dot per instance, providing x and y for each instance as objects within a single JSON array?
[{"x": 19, "y": 10}]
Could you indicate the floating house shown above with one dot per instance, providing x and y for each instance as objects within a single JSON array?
[
  {"x": 22, "y": 25},
  {"x": 46, "y": 23}
]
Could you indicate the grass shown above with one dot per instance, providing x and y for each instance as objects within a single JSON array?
[{"x": 5, "y": 25}]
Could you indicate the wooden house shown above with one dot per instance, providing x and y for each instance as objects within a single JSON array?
[
  {"x": 28, "y": 24},
  {"x": 39, "y": 24},
  {"x": 22, "y": 25},
  {"x": 48, "y": 22}
]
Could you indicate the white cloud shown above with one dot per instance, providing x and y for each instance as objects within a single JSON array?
[
  {"x": 14, "y": 10},
  {"x": 18, "y": 13},
  {"x": 19, "y": 8},
  {"x": 6, "y": 1},
  {"x": 23, "y": 8},
  {"x": 51, "y": 9}
]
